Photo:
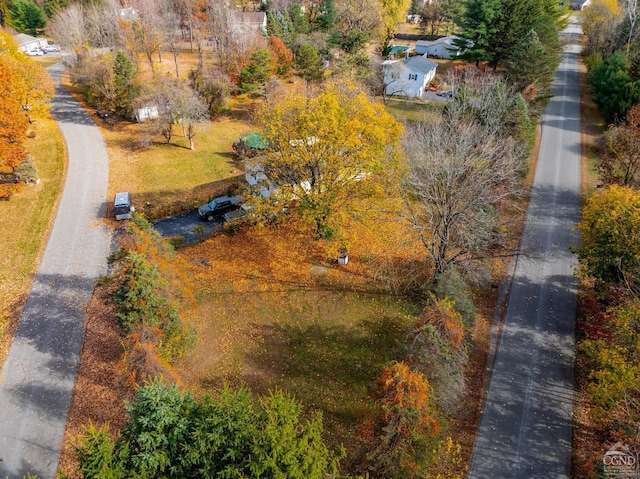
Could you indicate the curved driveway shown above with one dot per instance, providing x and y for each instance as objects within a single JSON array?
[
  {"x": 36, "y": 383},
  {"x": 525, "y": 431}
]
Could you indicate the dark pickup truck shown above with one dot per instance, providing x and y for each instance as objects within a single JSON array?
[{"x": 219, "y": 206}]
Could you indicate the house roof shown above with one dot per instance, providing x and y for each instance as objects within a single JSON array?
[
  {"x": 23, "y": 39},
  {"x": 250, "y": 18},
  {"x": 420, "y": 64},
  {"x": 425, "y": 43}
]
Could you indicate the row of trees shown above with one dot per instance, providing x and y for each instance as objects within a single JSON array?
[
  {"x": 521, "y": 36},
  {"x": 609, "y": 255},
  {"x": 26, "y": 91},
  {"x": 170, "y": 434},
  {"x": 612, "y": 57},
  {"x": 608, "y": 341}
]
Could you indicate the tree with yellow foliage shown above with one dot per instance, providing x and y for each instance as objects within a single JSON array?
[
  {"x": 326, "y": 150},
  {"x": 610, "y": 235},
  {"x": 13, "y": 130},
  {"x": 25, "y": 89}
]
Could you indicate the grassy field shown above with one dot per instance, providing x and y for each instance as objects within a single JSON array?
[
  {"x": 404, "y": 110},
  {"x": 30, "y": 214},
  {"x": 165, "y": 179},
  {"x": 275, "y": 312}
]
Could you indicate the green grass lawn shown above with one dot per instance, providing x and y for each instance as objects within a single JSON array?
[
  {"x": 407, "y": 110},
  {"x": 165, "y": 179},
  {"x": 30, "y": 214},
  {"x": 325, "y": 346}
]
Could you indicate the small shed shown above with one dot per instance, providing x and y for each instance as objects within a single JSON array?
[{"x": 146, "y": 113}]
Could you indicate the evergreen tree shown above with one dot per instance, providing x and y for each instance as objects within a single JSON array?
[
  {"x": 515, "y": 19},
  {"x": 27, "y": 17},
  {"x": 255, "y": 74},
  {"x": 171, "y": 435},
  {"x": 124, "y": 74},
  {"x": 309, "y": 63},
  {"x": 298, "y": 18},
  {"x": 613, "y": 91},
  {"x": 477, "y": 25},
  {"x": 529, "y": 64},
  {"x": 328, "y": 16}
]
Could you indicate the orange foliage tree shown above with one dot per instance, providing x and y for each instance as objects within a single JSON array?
[
  {"x": 283, "y": 56},
  {"x": 436, "y": 349},
  {"x": 404, "y": 428},
  {"x": 13, "y": 130}
]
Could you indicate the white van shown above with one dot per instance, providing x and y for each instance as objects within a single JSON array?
[{"x": 122, "y": 206}]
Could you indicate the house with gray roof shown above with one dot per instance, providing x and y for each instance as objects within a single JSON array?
[
  {"x": 440, "y": 48},
  {"x": 27, "y": 43},
  {"x": 408, "y": 77}
]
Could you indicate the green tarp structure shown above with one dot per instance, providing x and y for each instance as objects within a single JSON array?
[{"x": 255, "y": 141}]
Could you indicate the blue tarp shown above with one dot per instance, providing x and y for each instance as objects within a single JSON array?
[{"x": 398, "y": 49}]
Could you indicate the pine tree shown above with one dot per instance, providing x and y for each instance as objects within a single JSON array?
[
  {"x": 124, "y": 74},
  {"x": 477, "y": 25},
  {"x": 308, "y": 63},
  {"x": 528, "y": 64}
]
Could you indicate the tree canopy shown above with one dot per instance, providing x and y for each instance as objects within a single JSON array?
[
  {"x": 326, "y": 150},
  {"x": 610, "y": 234},
  {"x": 170, "y": 434}
]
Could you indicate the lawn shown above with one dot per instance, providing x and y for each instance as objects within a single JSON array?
[
  {"x": 30, "y": 214},
  {"x": 276, "y": 313},
  {"x": 165, "y": 179},
  {"x": 408, "y": 110}
]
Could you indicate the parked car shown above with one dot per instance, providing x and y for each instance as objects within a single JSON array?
[
  {"x": 122, "y": 206},
  {"x": 34, "y": 53},
  {"x": 446, "y": 93},
  {"x": 219, "y": 206},
  {"x": 51, "y": 48}
]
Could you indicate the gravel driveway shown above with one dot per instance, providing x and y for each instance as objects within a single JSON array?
[{"x": 38, "y": 376}]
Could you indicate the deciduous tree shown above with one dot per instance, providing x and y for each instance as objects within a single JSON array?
[
  {"x": 619, "y": 152},
  {"x": 404, "y": 428},
  {"x": 326, "y": 150},
  {"x": 13, "y": 130},
  {"x": 610, "y": 234},
  {"x": 459, "y": 172}
]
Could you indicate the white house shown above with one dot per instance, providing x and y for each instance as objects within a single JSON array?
[
  {"x": 408, "y": 77},
  {"x": 27, "y": 43},
  {"x": 249, "y": 22},
  {"x": 440, "y": 48}
]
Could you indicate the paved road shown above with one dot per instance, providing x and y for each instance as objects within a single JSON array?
[
  {"x": 525, "y": 431},
  {"x": 36, "y": 383}
]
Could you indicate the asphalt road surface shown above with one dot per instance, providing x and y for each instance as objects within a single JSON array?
[
  {"x": 188, "y": 226},
  {"x": 36, "y": 383},
  {"x": 525, "y": 431}
]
